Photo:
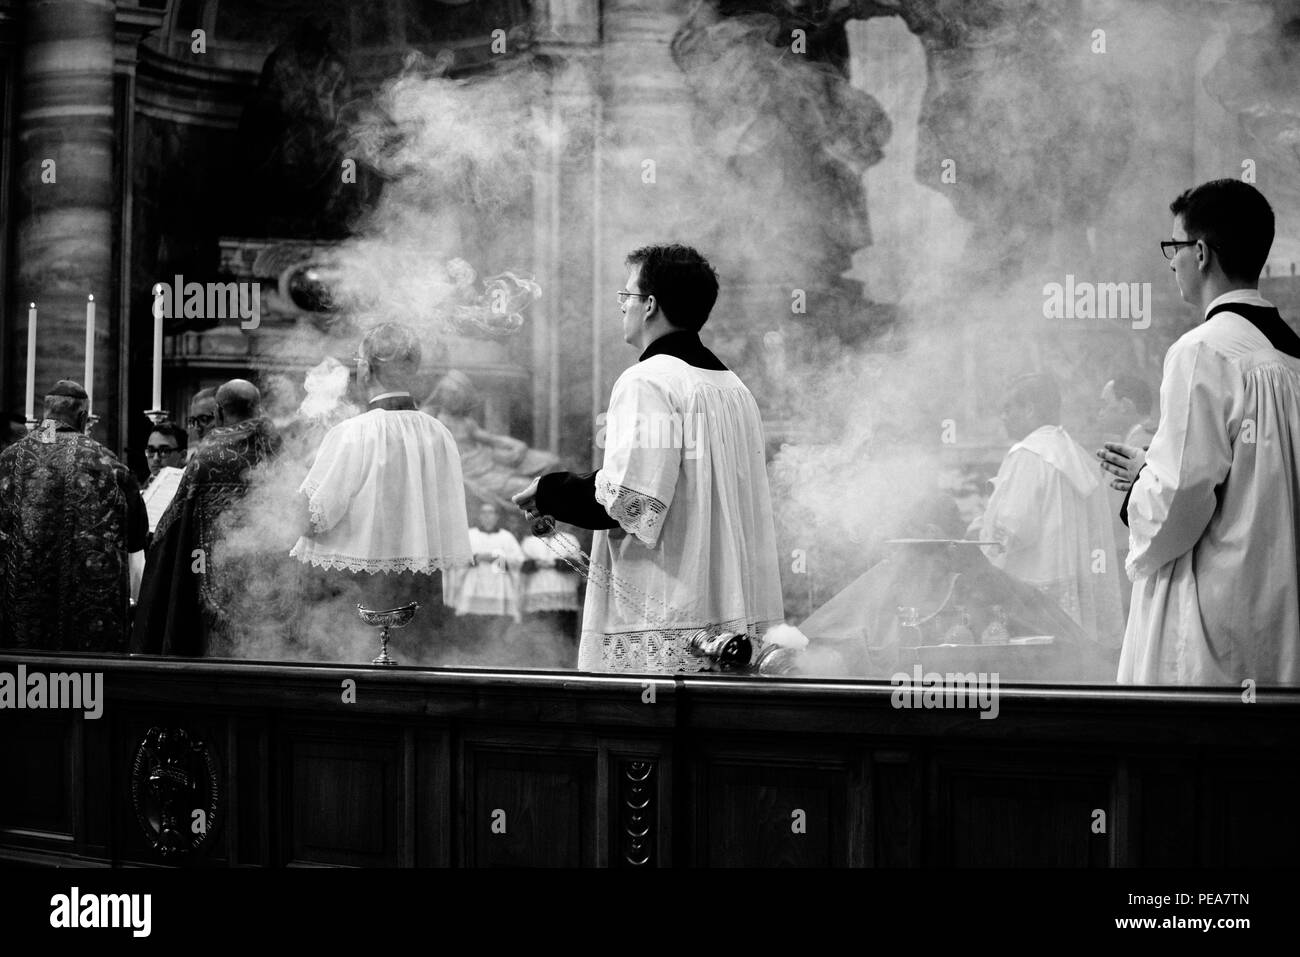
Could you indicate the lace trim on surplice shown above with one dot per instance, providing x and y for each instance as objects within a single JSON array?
[
  {"x": 637, "y": 513},
  {"x": 374, "y": 566},
  {"x": 661, "y": 650}
]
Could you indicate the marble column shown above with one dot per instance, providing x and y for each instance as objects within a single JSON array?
[{"x": 64, "y": 200}]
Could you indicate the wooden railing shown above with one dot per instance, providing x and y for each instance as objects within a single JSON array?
[{"x": 270, "y": 764}]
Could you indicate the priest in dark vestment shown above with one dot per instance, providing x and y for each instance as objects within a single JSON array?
[
  {"x": 183, "y": 598},
  {"x": 72, "y": 531}
]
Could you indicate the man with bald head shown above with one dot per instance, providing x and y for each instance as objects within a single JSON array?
[{"x": 185, "y": 597}]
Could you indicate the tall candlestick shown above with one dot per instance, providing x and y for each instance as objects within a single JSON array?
[
  {"x": 157, "y": 349},
  {"x": 90, "y": 355},
  {"x": 31, "y": 362}
]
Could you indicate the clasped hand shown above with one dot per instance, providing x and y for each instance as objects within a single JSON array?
[{"x": 1122, "y": 461}]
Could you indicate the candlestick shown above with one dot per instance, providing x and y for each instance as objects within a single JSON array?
[
  {"x": 157, "y": 346},
  {"x": 90, "y": 355},
  {"x": 31, "y": 362}
]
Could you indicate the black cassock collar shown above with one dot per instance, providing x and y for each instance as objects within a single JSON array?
[
  {"x": 393, "y": 402},
  {"x": 687, "y": 347},
  {"x": 1267, "y": 320}
]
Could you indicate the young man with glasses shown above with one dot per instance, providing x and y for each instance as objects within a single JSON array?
[
  {"x": 685, "y": 538},
  {"x": 166, "y": 449},
  {"x": 165, "y": 456},
  {"x": 1214, "y": 506}
]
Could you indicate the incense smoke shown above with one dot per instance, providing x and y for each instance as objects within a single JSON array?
[{"x": 884, "y": 243}]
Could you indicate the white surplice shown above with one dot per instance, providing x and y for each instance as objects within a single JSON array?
[
  {"x": 1050, "y": 513},
  {"x": 1214, "y": 517},
  {"x": 160, "y": 491},
  {"x": 490, "y": 587},
  {"x": 685, "y": 476},
  {"x": 552, "y": 587},
  {"x": 386, "y": 495}
]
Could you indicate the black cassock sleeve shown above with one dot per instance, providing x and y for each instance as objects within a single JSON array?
[
  {"x": 137, "y": 516},
  {"x": 571, "y": 499},
  {"x": 1123, "y": 508}
]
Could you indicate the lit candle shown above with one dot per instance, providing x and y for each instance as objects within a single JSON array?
[
  {"x": 157, "y": 349},
  {"x": 31, "y": 362},
  {"x": 90, "y": 354}
]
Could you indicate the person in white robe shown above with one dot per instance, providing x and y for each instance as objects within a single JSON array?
[
  {"x": 385, "y": 495},
  {"x": 549, "y": 582},
  {"x": 686, "y": 540},
  {"x": 1049, "y": 514},
  {"x": 486, "y": 595},
  {"x": 1214, "y": 506}
]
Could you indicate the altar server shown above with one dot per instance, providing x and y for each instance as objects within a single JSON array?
[
  {"x": 72, "y": 535},
  {"x": 1049, "y": 513},
  {"x": 1214, "y": 513},
  {"x": 486, "y": 595},
  {"x": 552, "y": 595},
  {"x": 385, "y": 495},
  {"x": 686, "y": 539}
]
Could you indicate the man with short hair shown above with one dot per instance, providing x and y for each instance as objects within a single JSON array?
[
  {"x": 1214, "y": 509},
  {"x": 385, "y": 495},
  {"x": 165, "y": 449},
  {"x": 72, "y": 534},
  {"x": 1049, "y": 513},
  {"x": 685, "y": 540},
  {"x": 165, "y": 456},
  {"x": 184, "y": 598}
]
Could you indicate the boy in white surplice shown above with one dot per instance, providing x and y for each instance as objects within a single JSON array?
[
  {"x": 385, "y": 493},
  {"x": 685, "y": 536}
]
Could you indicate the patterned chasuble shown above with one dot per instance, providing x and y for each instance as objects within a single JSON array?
[
  {"x": 64, "y": 533},
  {"x": 182, "y": 606}
]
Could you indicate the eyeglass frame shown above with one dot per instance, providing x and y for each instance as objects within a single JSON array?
[
  {"x": 194, "y": 420},
  {"x": 160, "y": 450},
  {"x": 624, "y": 295},
  {"x": 1177, "y": 244}
]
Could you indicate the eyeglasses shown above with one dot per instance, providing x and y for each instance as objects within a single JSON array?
[
  {"x": 160, "y": 449},
  {"x": 201, "y": 419},
  {"x": 624, "y": 296},
  {"x": 1170, "y": 247}
]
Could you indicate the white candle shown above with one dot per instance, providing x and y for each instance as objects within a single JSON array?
[
  {"x": 90, "y": 354},
  {"x": 157, "y": 350},
  {"x": 31, "y": 361}
]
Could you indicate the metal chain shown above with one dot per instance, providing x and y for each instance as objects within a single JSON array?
[{"x": 544, "y": 530}]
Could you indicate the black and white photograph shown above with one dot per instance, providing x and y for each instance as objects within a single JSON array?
[{"x": 649, "y": 434}]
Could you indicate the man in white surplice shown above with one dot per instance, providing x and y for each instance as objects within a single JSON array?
[
  {"x": 1214, "y": 511},
  {"x": 385, "y": 493},
  {"x": 685, "y": 536},
  {"x": 1049, "y": 514}
]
